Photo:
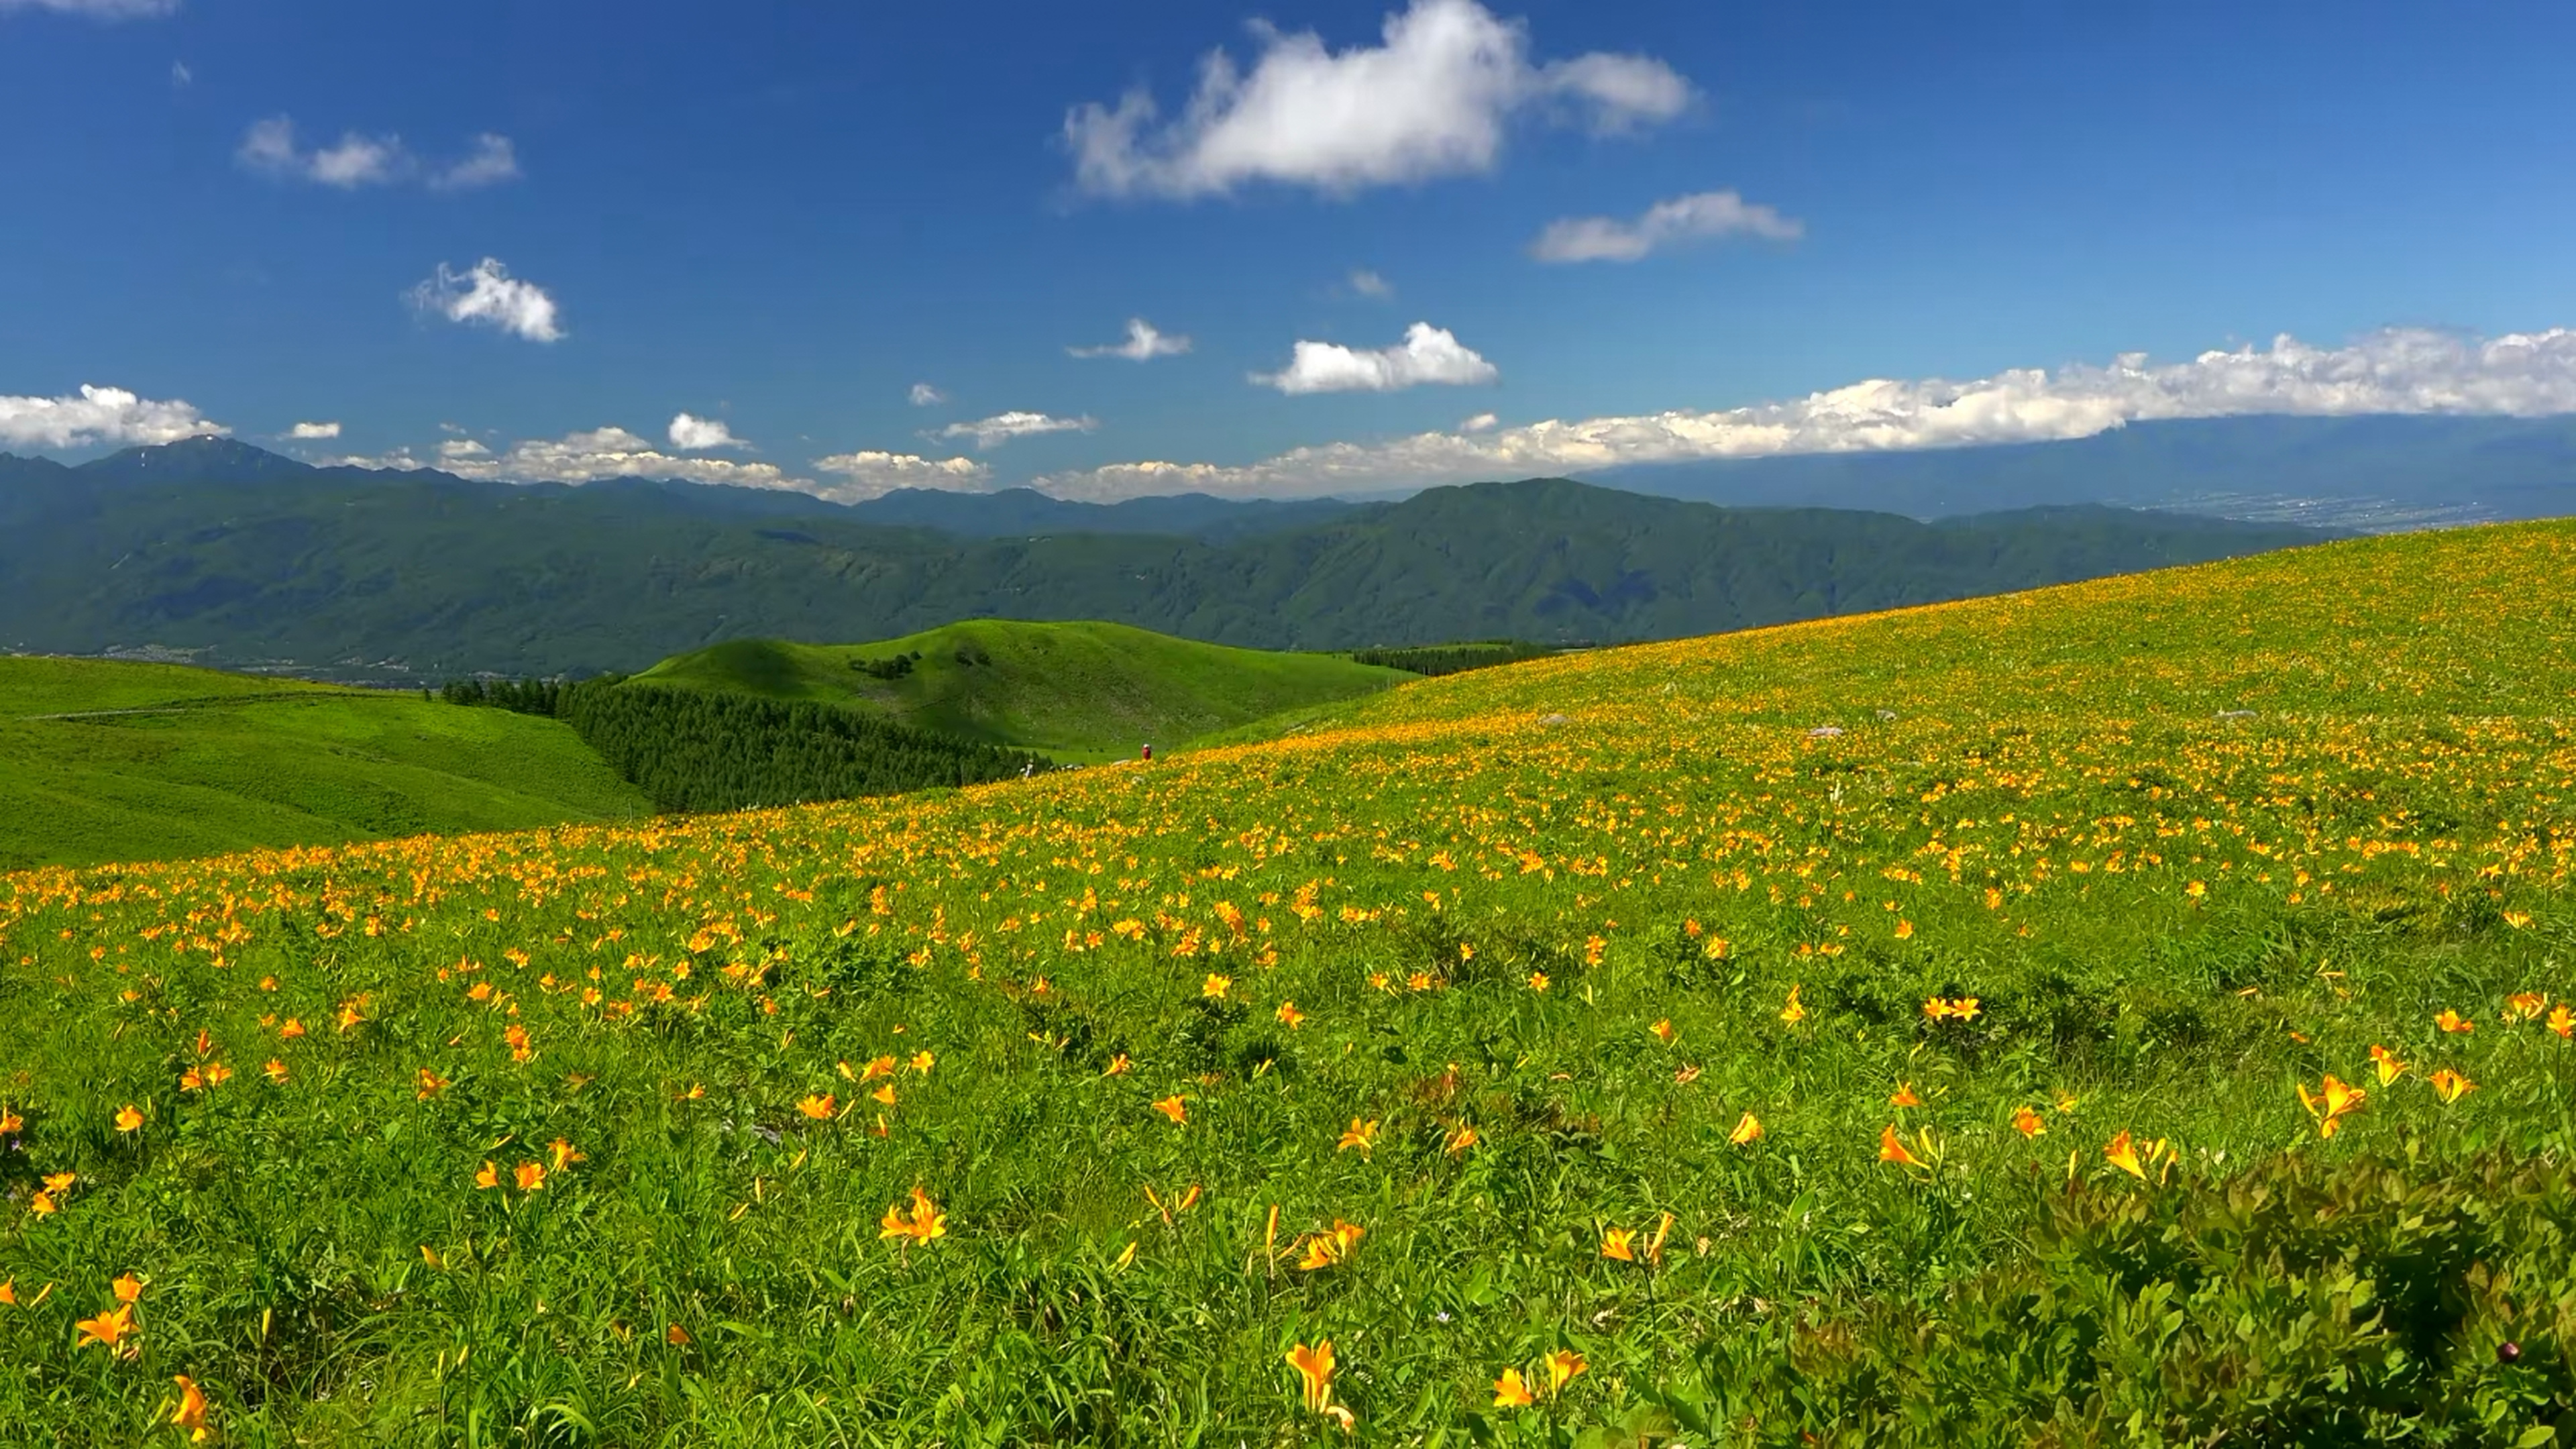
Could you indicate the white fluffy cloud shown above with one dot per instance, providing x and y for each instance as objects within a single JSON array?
[
  {"x": 589, "y": 457},
  {"x": 269, "y": 147},
  {"x": 1001, "y": 428},
  {"x": 696, "y": 435},
  {"x": 1370, "y": 284},
  {"x": 98, "y": 416},
  {"x": 924, "y": 395},
  {"x": 2400, "y": 370},
  {"x": 1427, "y": 354},
  {"x": 1433, "y": 100},
  {"x": 1143, "y": 344},
  {"x": 310, "y": 432},
  {"x": 1701, "y": 217},
  {"x": 489, "y": 296},
  {"x": 868, "y": 475},
  {"x": 96, "y": 9}
]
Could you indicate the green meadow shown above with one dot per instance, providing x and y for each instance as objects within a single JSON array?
[{"x": 2134, "y": 1012}]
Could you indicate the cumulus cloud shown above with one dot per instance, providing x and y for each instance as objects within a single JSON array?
[
  {"x": 269, "y": 147},
  {"x": 696, "y": 435},
  {"x": 99, "y": 416},
  {"x": 1001, "y": 428},
  {"x": 1370, "y": 284},
  {"x": 1480, "y": 423},
  {"x": 1427, "y": 354},
  {"x": 2400, "y": 370},
  {"x": 868, "y": 475},
  {"x": 96, "y": 9},
  {"x": 1433, "y": 100},
  {"x": 924, "y": 395},
  {"x": 309, "y": 432},
  {"x": 1702, "y": 217},
  {"x": 1143, "y": 344},
  {"x": 494, "y": 160},
  {"x": 489, "y": 296},
  {"x": 590, "y": 457}
]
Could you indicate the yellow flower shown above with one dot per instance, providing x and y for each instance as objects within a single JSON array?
[
  {"x": 1216, "y": 986},
  {"x": 1663, "y": 1031},
  {"x": 275, "y": 1071},
  {"x": 2451, "y": 1021},
  {"x": 1362, "y": 1135},
  {"x": 2563, "y": 1021},
  {"x": 1748, "y": 1129},
  {"x": 1796, "y": 1010},
  {"x": 127, "y": 1288},
  {"x": 128, "y": 1119},
  {"x": 2333, "y": 1100},
  {"x": 1891, "y": 1148},
  {"x": 431, "y": 1084},
  {"x": 2450, "y": 1085},
  {"x": 883, "y": 1095},
  {"x": 489, "y": 1177},
  {"x": 922, "y": 1062},
  {"x": 1461, "y": 1138},
  {"x": 2123, "y": 1154},
  {"x": 1538, "y": 981},
  {"x": 1511, "y": 1391},
  {"x": 108, "y": 1329},
  {"x": 1904, "y": 1096},
  {"x": 2029, "y": 1123},
  {"x": 1175, "y": 1108},
  {"x": 2390, "y": 1068},
  {"x": 1314, "y": 1368},
  {"x": 1616, "y": 1243},
  {"x": 531, "y": 1176},
  {"x": 819, "y": 1107},
  {"x": 191, "y": 1411},
  {"x": 1289, "y": 1016},
  {"x": 564, "y": 1155},
  {"x": 1118, "y": 1066},
  {"x": 1562, "y": 1365}
]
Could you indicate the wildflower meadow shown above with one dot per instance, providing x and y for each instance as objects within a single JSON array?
[{"x": 2133, "y": 1012}]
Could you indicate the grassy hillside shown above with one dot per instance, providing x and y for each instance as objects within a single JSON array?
[
  {"x": 2130, "y": 1012},
  {"x": 1085, "y": 691},
  {"x": 159, "y": 761}
]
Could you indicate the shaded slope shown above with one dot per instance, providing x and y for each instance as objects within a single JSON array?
[{"x": 1088, "y": 690}]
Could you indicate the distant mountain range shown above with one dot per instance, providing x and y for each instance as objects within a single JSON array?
[
  {"x": 2369, "y": 474},
  {"x": 215, "y": 551}
]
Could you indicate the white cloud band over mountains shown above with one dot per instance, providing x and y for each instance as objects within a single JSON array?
[
  {"x": 1435, "y": 99},
  {"x": 99, "y": 417},
  {"x": 2398, "y": 370}
]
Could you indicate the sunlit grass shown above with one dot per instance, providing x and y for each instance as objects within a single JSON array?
[{"x": 1904, "y": 1028}]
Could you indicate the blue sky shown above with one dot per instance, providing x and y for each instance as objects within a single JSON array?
[{"x": 782, "y": 218}]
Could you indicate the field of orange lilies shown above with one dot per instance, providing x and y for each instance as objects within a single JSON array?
[{"x": 2134, "y": 1010}]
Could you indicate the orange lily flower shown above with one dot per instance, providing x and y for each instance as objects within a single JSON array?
[
  {"x": 1511, "y": 1391},
  {"x": 1904, "y": 1096},
  {"x": 677, "y": 1337},
  {"x": 922, "y": 1062},
  {"x": 2450, "y": 1085},
  {"x": 2333, "y": 1100},
  {"x": 1462, "y": 1138},
  {"x": 564, "y": 1155},
  {"x": 1562, "y": 1365},
  {"x": 127, "y": 1287},
  {"x": 1216, "y": 986},
  {"x": 489, "y": 1177},
  {"x": 531, "y": 1176},
  {"x": 1362, "y": 1135},
  {"x": 1748, "y": 1129},
  {"x": 819, "y": 1107},
  {"x": 2451, "y": 1021},
  {"x": 1119, "y": 1066},
  {"x": 128, "y": 1119},
  {"x": 1290, "y": 1016},
  {"x": 1175, "y": 1108},
  {"x": 108, "y": 1329},
  {"x": 275, "y": 1071},
  {"x": 2562, "y": 1021},
  {"x": 2029, "y": 1123},
  {"x": 1796, "y": 1010},
  {"x": 1314, "y": 1368},
  {"x": 1663, "y": 1031},
  {"x": 2387, "y": 1063},
  {"x": 1891, "y": 1148},
  {"x": 1615, "y": 1244},
  {"x": 2122, "y": 1153},
  {"x": 191, "y": 1411}
]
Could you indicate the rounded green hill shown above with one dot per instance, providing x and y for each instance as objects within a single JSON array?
[{"x": 1082, "y": 691}]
